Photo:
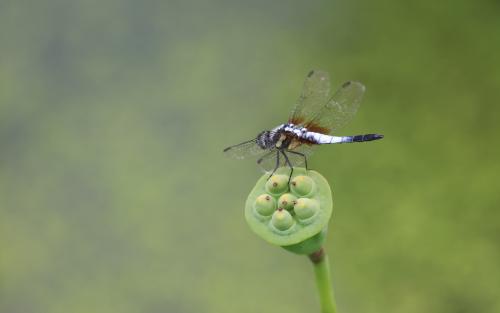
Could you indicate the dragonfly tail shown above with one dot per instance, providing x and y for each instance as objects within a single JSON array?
[{"x": 358, "y": 138}]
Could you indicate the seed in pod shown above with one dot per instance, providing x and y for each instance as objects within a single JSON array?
[
  {"x": 287, "y": 201},
  {"x": 302, "y": 185},
  {"x": 305, "y": 208},
  {"x": 265, "y": 205},
  {"x": 277, "y": 184},
  {"x": 282, "y": 220}
]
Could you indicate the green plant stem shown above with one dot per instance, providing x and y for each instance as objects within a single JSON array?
[{"x": 323, "y": 282}]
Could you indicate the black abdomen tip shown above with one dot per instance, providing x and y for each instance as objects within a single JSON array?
[
  {"x": 367, "y": 137},
  {"x": 370, "y": 137}
]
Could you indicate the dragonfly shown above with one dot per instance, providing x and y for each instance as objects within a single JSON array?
[{"x": 314, "y": 120}]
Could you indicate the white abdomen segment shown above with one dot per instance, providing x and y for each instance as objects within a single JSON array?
[
  {"x": 327, "y": 139},
  {"x": 321, "y": 138}
]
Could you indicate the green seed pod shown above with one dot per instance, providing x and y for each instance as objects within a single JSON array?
[
  {"x": 265, "y": 205},
  {"x": 302, "y": 185},
  {"x": 299, "y": 230},
  {"x": 282, "y": 220},
  {"x": 305, "y": 208},
  {"x": 287, "y": 201}
]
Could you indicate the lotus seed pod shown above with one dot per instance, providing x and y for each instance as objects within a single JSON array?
[
  {"x": 287, "y": 201},
  {"x": 277, "y": 184},
  {"x": 302, "y": 185},
  {"x": 297, "y": 228},
  {"x": 265, "y": 205},
  {"x": 282, "y": 220},
  {"x": 305, "y": 208}
]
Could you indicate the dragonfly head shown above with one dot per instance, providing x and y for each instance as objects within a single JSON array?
[{"x": 268, "y": 139}]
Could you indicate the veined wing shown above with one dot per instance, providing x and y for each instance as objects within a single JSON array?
[
  {"x": 268, "y": 161},
  {"x": 245, "y": 149},
  {"x": 339, "y": 110},
  {"x": 274, "y": 158},
  {"x": 313, "y": 97},
  {"x": 298, "y": 155}
]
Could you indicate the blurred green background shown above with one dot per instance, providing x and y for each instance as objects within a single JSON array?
[{"x": 115, "y": 195}]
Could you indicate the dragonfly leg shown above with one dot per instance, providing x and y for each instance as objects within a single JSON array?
[
  {"x": 289, "y": 164},
  {"x": 277, "y": 164},
  {"x": 301, "y": 154}
]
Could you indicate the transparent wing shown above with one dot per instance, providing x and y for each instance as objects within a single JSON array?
[
  {"x": 340, "y": 109},
  {"x": 297, "y": 156},
  {"x": 313, "y": 97},
  {"x": 268, "y": 161},
  {"x": 245, "y": 149}
]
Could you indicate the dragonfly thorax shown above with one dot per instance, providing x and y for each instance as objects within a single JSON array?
[
  {"x": 277, "y": 137},
  {"x": 299, "y": 131}
]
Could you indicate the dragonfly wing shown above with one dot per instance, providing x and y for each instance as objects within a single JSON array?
[
  {"x": 340, "y": 109},
  {"x": 297, "y": 156},
  {"x": 244, "y": 150},
  {"x": 269, "y": 161},
  {"x": 313, "y": 97}
]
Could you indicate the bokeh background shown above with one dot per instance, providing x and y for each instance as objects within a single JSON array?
[{"x": 115, "y": 195}]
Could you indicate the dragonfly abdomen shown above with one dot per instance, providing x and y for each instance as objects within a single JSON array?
[{"x": 320, "y": 139}]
